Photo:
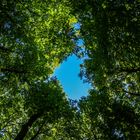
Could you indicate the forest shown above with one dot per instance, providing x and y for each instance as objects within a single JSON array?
[{"x": 36, "y": 36}]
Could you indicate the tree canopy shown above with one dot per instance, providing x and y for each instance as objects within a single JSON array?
[{"x": 36, "y": 36}]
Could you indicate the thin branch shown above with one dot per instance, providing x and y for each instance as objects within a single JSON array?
[
  {"x": 132, "y": 93},
  {"x": 12, "y": 70},
  {"x": 4, "y": 49},
  {"x": 129, "y": 70}
]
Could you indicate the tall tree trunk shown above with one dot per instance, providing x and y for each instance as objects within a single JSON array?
[{"x": 25, "y": 128}]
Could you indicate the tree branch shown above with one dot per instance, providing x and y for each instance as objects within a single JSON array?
[
  {"x": 12, "y": 70},
  {"x": 4, "y": 49},
  {"x": 129, "y": 70},
  {"x": 132, "y": 93}
]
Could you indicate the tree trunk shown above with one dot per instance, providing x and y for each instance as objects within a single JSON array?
[{"x": 25, "y": 128}]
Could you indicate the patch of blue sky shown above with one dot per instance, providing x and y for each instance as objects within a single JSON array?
[
  {"x": 67, "y": 73},
  {"x": 80, "y": 42},
  {"x": 77, "y": 26}
]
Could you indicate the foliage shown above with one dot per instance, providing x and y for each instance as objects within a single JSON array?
[
  {"x": 34, "y": 31},
  {"x": 36, "y": 36}
]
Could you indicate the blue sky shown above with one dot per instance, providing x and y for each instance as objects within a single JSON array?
[
  {"x": 77, "y": 26},
  {"x": 67, "y": 74}
]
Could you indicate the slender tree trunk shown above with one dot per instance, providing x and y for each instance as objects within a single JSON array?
[{"x": 25, "y": 128}]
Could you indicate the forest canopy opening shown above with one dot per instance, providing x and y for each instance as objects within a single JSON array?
[{"x": 37, "y": 36}]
